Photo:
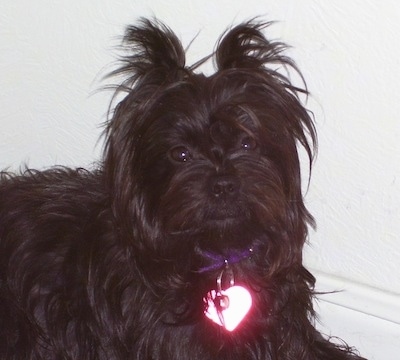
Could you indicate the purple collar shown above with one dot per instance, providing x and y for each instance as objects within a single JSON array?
[{"x": 218, "y": 261}]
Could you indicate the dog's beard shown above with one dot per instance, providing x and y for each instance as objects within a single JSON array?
[{"x": 196, "y": 209}]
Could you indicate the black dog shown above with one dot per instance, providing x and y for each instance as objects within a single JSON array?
[{"x": 195, "y": 215}]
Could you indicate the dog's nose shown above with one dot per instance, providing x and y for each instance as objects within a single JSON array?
[{"x": 224, "y": 185}]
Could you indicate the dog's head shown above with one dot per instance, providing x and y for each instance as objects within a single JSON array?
[{"x": 209, "y": 162}]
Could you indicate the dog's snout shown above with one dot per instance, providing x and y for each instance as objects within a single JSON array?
[{"x": 224, "y": 185}]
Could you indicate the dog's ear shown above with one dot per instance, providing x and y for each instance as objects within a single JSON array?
[
  {"x": 245, "y": 52},
  {"x": 154, "y": 55},
  {"x": 152, "y": 59},
  {"x": 245, "y": 46}
]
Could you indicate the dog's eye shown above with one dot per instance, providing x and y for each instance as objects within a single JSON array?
[
  {"x": 248, "y": 143},
  {"x": 180, "y": 154}
]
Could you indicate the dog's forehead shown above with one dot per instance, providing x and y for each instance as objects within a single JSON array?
[
  {"x": 203, "y": 106},
  {"x": 205, "y": 128}
]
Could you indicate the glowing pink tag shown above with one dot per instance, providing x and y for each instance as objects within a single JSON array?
[{"x": 234, "y": 304}]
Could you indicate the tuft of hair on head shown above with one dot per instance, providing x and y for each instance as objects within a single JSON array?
[
  {"x": 153, "y": 55},
  {"x": 245, "y": 46}
]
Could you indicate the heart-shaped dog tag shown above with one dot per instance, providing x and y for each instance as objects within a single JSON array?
[{"x": 228, "y": 307}]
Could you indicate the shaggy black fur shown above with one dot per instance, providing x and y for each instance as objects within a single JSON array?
[{"x": 115, "y": 263}]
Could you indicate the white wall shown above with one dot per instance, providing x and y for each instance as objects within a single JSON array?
[{"x": 53, "y": 54}]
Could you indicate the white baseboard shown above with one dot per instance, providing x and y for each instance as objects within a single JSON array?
[{"x": 358, "y": 297}]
